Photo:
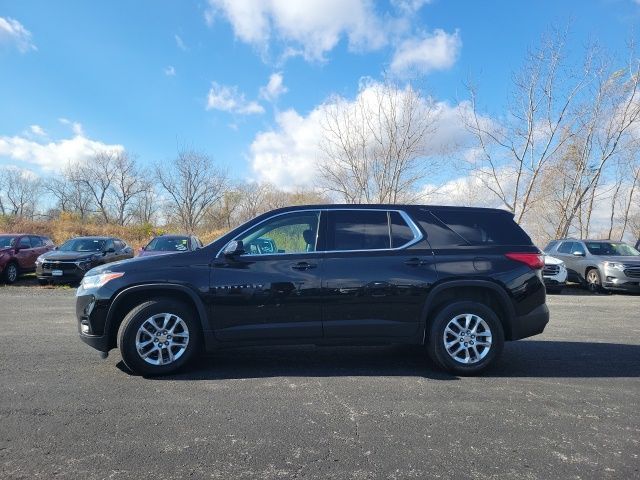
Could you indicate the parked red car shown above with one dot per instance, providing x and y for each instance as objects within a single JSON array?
[{"x": 18, "y": 253}]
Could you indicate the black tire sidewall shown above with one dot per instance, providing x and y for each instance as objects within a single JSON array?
[
  {"x": 136, "y": 317},
  {"x": 436, "y": 347}
]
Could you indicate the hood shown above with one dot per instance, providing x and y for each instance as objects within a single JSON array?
[
  {"x": 56, "y": 255},
  {"x": 626, "y": 259},
  {"x": 548, "y": 260}
]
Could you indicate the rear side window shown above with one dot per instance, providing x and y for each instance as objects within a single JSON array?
[
  {"x": 438, "y": 234},
  {"x": 358, "y": 230},
  {"x": 401, "y": 233},
  {"x": 484, "y": 228},
  {"x": 36, "y": 242}
]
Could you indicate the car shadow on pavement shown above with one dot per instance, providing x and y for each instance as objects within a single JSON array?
[{"x": 529, "y": 358}]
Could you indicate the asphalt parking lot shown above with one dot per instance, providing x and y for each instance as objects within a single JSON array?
[{"x": 562, "y": 405}]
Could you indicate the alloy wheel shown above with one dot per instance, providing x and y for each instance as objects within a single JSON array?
[
  {"x": 593, "y": 280},
  {"x": 162, "y": 339},
  {"x": 467, "y": 338},
  {"x": 12, "y": 273}
]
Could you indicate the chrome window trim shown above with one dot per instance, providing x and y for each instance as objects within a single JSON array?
[{"x": 417, "y": 234}]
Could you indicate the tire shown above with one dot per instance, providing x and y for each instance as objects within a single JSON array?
[
  {"x": 170, "y": 356},
  {"x": 11, "y": 273},
  {"x": 593, "y": 280},
  {"x": 477, "y": 315}
]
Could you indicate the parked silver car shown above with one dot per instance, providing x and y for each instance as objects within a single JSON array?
[{"x": 599, "y": 264}]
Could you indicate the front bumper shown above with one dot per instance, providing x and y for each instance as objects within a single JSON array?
[
  {"x": 70, "y": 273},
  {"x": 91, "y": 314},
  {"x": 533, "y": 323},
  {"x": 616, "y": 279}
]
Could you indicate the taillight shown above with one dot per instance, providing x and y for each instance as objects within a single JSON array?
[{"x": 532, "y": 260}]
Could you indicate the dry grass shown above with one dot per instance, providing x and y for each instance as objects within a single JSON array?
[{"x": 66, "y": 227}]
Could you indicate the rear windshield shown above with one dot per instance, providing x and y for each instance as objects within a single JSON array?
[{"x": 448, "y": 228}]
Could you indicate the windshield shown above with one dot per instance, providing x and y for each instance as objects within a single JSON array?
[
  {"x": 83, "y": 245},
  {"x": 7, "y": 241},
  {"x": 612, "y": 249},
  {"x": 168, "y": 244}
]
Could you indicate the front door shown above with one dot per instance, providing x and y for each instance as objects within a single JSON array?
[
  {"x": 272, "y": 291},
  {"x": 377, "y": 274}
]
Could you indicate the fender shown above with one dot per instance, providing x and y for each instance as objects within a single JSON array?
[
  {"x": 446, "y": 285},
  {"x": 158, "y": 287}
]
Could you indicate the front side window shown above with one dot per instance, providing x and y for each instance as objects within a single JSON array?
[
  {"x": 611, "y": 249},
  {"x": 25, "y": 242},
  {"x": 566, "y": 247},
  {"x": 294, "y": 232},
  {"x": 36, "y": 242},
  {"x": 358, "y": 230}
]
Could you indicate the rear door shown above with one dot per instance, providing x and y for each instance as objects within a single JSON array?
[{"x": 377, "y": 273}]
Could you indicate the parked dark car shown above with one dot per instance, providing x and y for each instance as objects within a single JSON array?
[
  {"x": 459, "y": 280},
  {"x": 69, "y": 262},
  {"x": 164, "y": 244},
  {"x": 599, "y": 264},
  {"x": 18, "y": 253}
]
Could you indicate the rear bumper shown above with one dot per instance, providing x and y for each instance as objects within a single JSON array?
[{"x": 533, "y": 323}]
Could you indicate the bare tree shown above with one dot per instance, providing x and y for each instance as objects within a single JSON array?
[
  {"x": 375, "y": 149},
  {"x": 516, "y": 151},
  {"x": 21, "y": 191},
  {"x": 193, "y": 185},
  {"x": 97, "y": 177},
  {"x": 128, "y": 183}
]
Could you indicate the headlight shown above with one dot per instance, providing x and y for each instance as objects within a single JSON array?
[
  {"x": 618, "y": 266},
  {"x": 97, "y": 281},
  {"x": 38, "y": 260}
]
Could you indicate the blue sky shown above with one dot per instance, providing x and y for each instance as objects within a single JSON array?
[{"x": 151, "y": 75}]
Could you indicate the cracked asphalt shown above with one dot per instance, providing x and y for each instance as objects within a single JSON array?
[{"x": 564, "y": 404}]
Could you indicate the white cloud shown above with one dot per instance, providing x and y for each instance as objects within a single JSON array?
[
  {"x": 37, "y": 130},
  {"x": 312, "y": 27},
  {"x": 76, "y": 127},
  {"x": 229, "y": 99},
  {"x": 288, "y": 154},
  {"x": 180, "y": 43},
  {"x": 12, "y": 32},
  {"x": 170, "y": 71},
  {"x": 411, "y": 6},
  {"x": 53, "y": 155},
  {"x": 274, "y": 88},
  {"x": 436, "y": 51}
]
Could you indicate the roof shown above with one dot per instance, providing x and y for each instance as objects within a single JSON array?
[{"x": 386, "y": 206}]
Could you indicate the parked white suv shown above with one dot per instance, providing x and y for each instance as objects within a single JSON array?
[{"x": 554, "y": 274}]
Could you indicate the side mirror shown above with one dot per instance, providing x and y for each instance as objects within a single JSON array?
[
  {"x": 233, "y": 248},
  {"x": 578, "y": 254}
]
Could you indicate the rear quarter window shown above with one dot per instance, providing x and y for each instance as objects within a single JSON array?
[{"x": 484, "y": 227}]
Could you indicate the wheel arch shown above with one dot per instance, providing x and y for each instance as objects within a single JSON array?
[
  {"x": 483, "y": 291},
  {"x": 128, "y": 298}
]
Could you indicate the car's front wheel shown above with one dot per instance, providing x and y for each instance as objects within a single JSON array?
[
  {"x": 159, "y": 337},
  {"x": 465, "y": 337},
  {"x": 11, "y": 273},
  {"x": 594, "y": 283}
]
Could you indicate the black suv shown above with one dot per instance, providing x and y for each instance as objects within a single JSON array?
[{"x": 459, "y": 280}]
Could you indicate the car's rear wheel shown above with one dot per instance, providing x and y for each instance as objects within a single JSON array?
[
  {"x": 11, "y": 273},
  {"x": 465, "y": 337},
  {"x": 594, "y": 283},
  {"x": 159, "y": 337}
]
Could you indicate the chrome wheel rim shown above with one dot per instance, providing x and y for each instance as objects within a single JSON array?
[
  {"x": 12, "y": 273},
  {"x": 592, "y": 279},
  {"x": 467, "y": 338},
  {"x": 162, "y": 339}
]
